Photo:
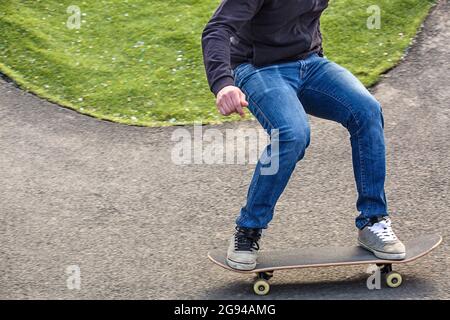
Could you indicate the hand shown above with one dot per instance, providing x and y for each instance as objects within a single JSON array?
[{"x": 231, "y": 99}]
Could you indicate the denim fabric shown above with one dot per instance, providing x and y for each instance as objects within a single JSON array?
[{"x": 280, "y": 96}]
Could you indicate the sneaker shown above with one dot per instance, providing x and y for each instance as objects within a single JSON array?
[
  {"x": 379, "y": 238},
  {"x": 243, "y": 249}
]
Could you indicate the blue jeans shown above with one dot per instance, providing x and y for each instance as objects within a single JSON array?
[{"x": 280, "y": 96}]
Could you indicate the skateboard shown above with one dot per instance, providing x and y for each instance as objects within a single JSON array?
[{"x": 270, "y": 261}]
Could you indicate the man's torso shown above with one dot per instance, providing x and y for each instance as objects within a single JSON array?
[{"x": 281, "y": 30}]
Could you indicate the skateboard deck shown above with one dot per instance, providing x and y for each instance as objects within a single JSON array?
[{"x": 270, "y": 261}]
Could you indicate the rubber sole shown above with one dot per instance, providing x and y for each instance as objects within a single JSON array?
[
  {"x": 240, "y": 265},
  {"x": 384, "y": 255}
]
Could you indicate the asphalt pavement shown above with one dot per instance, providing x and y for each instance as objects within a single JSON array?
[{"x": 107, "y": 198}]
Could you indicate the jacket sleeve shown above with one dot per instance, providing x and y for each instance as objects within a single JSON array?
[{"x": 228, "y": 18}]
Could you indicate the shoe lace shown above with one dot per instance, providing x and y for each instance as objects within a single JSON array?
[
  {"x": 246, "y": 241},
  {"x": 383, "y": 230}
]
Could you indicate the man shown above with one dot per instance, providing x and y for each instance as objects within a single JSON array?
[{"x": 267, "y": 55}]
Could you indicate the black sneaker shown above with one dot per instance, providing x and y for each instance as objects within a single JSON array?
[{"x": 243, "y": 249}]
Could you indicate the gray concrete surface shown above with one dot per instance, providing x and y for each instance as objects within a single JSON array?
[{"x": 78, "y": 191}]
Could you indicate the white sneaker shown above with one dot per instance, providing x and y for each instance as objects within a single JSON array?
[{"x": 381, "y": 240}]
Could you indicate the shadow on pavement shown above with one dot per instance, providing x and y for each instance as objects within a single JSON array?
[{"x": 354, "y": 288}]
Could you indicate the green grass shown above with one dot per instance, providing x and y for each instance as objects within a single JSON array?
[{"x": 139, "y": 61}]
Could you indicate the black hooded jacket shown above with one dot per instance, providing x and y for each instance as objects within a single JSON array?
[{"x": 261, "y": 32}]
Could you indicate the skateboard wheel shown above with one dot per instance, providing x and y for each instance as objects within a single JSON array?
[
  {"x": 393, "y": 279},
  {"x": 261, "y": 287}
]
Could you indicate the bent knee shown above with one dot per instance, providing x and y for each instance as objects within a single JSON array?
[
  {"x": 368, "y": 114},
  {"x": 296, "y": 139}
]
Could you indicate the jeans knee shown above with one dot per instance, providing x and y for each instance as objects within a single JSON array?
[
  {"x": 369, "y": 115},
  {"x": 295, "y": 140}
]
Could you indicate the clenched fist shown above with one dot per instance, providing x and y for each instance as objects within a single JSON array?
[{"x": 231, "y": 99}]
